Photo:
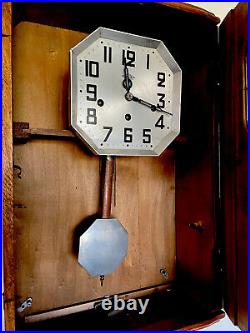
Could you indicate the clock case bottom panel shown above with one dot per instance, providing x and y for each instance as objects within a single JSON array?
[{"x": 183, "y": 230}]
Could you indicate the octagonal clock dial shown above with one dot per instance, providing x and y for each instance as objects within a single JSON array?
[{"x": 125, "y": 94}]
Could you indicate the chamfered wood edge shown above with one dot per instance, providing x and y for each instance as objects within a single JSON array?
[
  {"x": 234, "y": 137},
  {"x": 6, "y": 18},
  {"x": 192, "y": 9},
  {"x": 205, "y": 323},
  {"x": 7, "y": 173},
  {"x": 181, "y": 325},
  {"x": 47, "y": 315}
]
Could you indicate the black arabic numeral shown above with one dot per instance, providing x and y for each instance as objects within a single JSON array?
[
  {"x": 161, "y": 77},
  {"x": 92, "y": 90},
  {"x": 91, "y": 68},
  {"x": 161, "y": 102},
  {"x": 147, "y": 61},
  {"x": 146, "y": 135},
  {"x": 91, "y": 116},
  {"x": 128, "y": 134},
  {"x": 159, "y": 122},
  {"x": 110, "y": 129},
  {"x": 107, "y": 54},
  {"x": 128, "y": 57}
]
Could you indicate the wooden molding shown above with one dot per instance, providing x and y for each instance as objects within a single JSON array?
[
  {"x": 234, "y": 162},
  {"x": 192, "y": 9},
  {"x": 7, "y": 164},
  {"x": 6, "y": 19}
]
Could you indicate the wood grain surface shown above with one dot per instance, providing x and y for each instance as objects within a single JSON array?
[
  {"x": 6, "y": 19},
  {"x": 234, "y": 51},
  {"x": 186, "y": 7},
  {"x": 59, "y": 188},
  {"x": 7, "y": 172}
]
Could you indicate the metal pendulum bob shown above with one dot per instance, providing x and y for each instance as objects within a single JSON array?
[{"x": 104, "y": 244}]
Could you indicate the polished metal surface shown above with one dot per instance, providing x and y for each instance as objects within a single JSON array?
[
  {"x": 103, "y": 246},
  {"x": 111, "y": 109},
  {"x": 26, "y": 304}
]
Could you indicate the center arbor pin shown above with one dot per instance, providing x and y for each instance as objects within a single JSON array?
[{"x": 104, "y": 244}]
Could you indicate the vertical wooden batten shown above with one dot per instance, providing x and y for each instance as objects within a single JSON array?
[
  {"x": 7, "y": 174},
  {"x": 234, "y": 147}
]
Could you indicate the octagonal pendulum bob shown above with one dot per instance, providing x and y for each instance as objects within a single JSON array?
[{"x": 103, "y": 246}]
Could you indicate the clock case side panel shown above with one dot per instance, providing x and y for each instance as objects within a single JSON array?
[
  {"x": 234, "y": 163},
  {"x": 198, "y": 225}
]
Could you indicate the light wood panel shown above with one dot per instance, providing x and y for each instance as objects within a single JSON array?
[
  {"x": 59, "y": 188},
  {"x": 7, "y": 172},
  {"x": 42, "y": 66}
]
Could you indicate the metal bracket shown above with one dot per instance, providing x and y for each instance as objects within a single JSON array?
[
  {"x": 218, "y": 260},
  {"x": 19, "y": 174},
  {"x": 26, "y": 304},
  {"x": 164, "y": 273}
]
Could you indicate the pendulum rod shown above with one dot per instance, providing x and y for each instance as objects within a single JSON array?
[
  {"x": 107, "y": 182},
  {"x": 107, "y": 186}
]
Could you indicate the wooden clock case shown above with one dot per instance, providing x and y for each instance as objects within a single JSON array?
[{"x": 185, "y": 211}]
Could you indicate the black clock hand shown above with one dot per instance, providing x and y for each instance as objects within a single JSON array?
[
  {"x": 130, "y": 97},
  {"x": 127, "y": 83}
]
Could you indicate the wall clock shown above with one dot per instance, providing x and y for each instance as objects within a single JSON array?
[
  {"x": 125, "y": 101},
  {"x": 125, "y": 94}
]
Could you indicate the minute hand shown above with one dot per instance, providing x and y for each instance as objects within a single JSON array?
[{"x": 149, "y": 105}]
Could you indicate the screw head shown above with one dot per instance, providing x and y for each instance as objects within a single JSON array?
[{"x": 129, "y": 96}]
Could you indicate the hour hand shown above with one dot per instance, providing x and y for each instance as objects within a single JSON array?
[
  {"x": 127, "y": 83},
  {"x": 130, "y": 97}
]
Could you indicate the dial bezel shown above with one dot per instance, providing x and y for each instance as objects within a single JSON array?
[{"x": 176, "y": 97}]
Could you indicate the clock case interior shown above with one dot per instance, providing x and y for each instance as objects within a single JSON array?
[{"x": 173, "y": 206}]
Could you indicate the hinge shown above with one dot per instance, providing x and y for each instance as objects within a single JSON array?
[{"x": 218, "y": 260}]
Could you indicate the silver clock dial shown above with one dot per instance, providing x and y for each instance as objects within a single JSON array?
[{"x": 125, "y": 95}]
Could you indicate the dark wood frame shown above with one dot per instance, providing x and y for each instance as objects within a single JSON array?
[
  {"x": 8, "y": 227},
  {"x": 234, "y": 166}
]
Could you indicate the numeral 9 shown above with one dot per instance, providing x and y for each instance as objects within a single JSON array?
[{"x": 92, "y": 90}]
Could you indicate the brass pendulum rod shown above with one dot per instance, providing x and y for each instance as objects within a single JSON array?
[
  {"x": 107, "y": 182},
  {"x": 107, "y": 186}
]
